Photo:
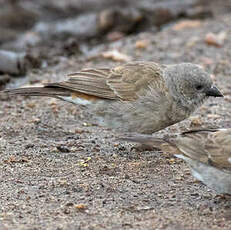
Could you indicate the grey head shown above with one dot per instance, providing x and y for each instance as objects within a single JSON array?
[{"x": 189, "y": 84}]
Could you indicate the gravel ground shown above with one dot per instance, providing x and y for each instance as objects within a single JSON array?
[{"x": 60, "y": 172}]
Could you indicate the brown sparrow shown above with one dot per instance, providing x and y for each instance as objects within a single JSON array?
[
  {"x": 207, "y": 152},
  {"x": 141, "y": 97}
]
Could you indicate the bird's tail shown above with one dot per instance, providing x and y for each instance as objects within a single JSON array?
[
  {"x": 39, "y": 91},
  {"x": 166, "y": 143},
  {"x": 144, "y": 139}
]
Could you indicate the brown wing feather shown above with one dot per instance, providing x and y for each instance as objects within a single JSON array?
[
  {"x": 219, "y": 148},
  {"x": 134, "y": 79},
  {"x": 208, "y": 146},
  {"x": 122, "y": 82},
  {"x": 192, "y": 145},
  {"x": 90, "y": 82}
]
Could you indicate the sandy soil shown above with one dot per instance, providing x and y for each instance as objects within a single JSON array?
[{"x": 57, "y": 171}]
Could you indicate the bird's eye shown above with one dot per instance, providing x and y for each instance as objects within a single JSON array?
[{"x": 199, "y": 87}]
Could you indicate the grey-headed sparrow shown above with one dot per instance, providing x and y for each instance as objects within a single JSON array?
[
  {"x": 207, "y": 152},
  {"x": 141, "y": 97}
]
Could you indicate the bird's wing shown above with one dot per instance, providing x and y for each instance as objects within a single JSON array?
[
  {"x": 192, "y": 144},
  {"x": 219, "y": 149},
  {"x": 123, "y": 82},
  {"x": 212, "y": 147}
]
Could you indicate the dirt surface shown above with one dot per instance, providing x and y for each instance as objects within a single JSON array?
[{"x": 58, "y": 171}]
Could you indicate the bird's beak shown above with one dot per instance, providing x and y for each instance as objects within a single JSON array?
[{"x": 214, "y": 92}]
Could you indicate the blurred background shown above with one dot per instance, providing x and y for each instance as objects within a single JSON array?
[{"x": 37, "y": 32}]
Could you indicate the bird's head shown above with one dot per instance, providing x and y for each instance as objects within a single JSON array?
[{"x": 190, "y": 84}]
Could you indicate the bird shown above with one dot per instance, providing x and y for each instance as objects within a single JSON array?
[
  {"x": 141, "y": 96},
  {"x": 206, "y": 151}
]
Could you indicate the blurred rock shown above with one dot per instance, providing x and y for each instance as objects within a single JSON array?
[
  {"x": 28, "y": 39},
  {"x": 83, "y": 27},
  {"x": 142, "y": 44},
  {"x": 159, "y": 13},
  {"x": 71, "y": 46},
  {"x": 16, "y": 17},
  {"x": 12, "y": 63},
  {"x": 199, "y": 12},
  {"x": 115, "y": 35},
  {"x": 217, "y": 7},
  {"x": 186, "y": 24},
  {"x": 119, "y": 19},
  {"x": 13, "y": 20},
  {"x": 216, "y": 39},
  {"x": 16, "y": 63},
  {"x": 3, "y": 80},
  {"x": 115, "y": 55},
  {"x": 91, "y": 25}
]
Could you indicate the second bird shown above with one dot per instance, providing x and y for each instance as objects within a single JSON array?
[
  {"x": 141, "y": 97},
  {"x": 207, "y": 152}
]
